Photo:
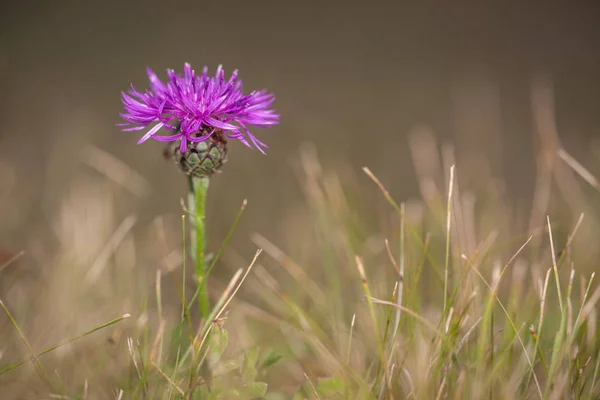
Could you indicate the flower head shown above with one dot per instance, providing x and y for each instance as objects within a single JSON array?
[{"x": 196, "y": 108}]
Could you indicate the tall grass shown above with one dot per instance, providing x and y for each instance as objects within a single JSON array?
[{"x": 376, "y": 298}]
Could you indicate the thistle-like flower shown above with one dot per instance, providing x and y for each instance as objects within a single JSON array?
[{"x": 202, "y": 112}]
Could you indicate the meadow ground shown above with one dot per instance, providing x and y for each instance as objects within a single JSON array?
[{"x": 457, "y": 294}]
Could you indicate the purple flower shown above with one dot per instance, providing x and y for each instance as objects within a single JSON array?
[{"x": 196, "y": 107}]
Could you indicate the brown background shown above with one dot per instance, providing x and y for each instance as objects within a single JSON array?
[{"x": 351, "y": 77}]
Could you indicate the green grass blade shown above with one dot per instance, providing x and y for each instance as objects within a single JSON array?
[
  {"x": 39, "y": 368},
  {"x": 60, "y": 344}
]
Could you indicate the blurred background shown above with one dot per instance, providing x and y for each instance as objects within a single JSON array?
[
  {"x": 355, "y": 79},
  {"x": 351, "y": 78}
]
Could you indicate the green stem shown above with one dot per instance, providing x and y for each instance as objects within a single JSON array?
[{"x": 197, "y": 207}]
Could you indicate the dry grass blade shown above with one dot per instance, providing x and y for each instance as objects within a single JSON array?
[
  {"x": 555, "y": 268},
  {"x": 158, "y": 340},
  {"x": 441, "y": 389},
  {"x": 256, "y": 255},
  {"x": 115, "y": 170},
  {"x": 578, "y": 168},
  {"x": 207, "y": 326},
  {"x": 173, "y": 384},
  {"x": 110, "y": 248},
  {"x": 84, "y": 395},
  {"x": 575, "y": 230},
  {"x": 11, "y": 260},
  {"x": 392, "y": 260},
  {"x": 400, "y": 281},
  {"x": 312, "y": 386},
  {"x": 468, "y": 334},
  {"x": 386, "y": 194},
  {"x": 513, "y": 258},
  {"x": 413, "y": 314},
  {"x": 158, "y": 292},
  {"x": 133, "y": 357},
  {"x": 448, "y": 222},
  {"x": 225, "y": 299},
  {"x": 295, "y": 270},
  {"x": 350, "y": 338}
]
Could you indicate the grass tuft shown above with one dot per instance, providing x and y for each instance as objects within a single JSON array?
[{"x": 438, "y": 297}]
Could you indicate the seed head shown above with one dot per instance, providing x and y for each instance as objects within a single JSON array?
[{"x": 200, "y": 159}]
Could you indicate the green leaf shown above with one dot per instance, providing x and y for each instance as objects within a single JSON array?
[
  {"x": 276, "y": 396},
  {"x": 203, "y": 393},
  {"x": 269, "y": 358},
  {"x": 255, "y": 389},
  {"x": 331, "y": 387},
  {"x": 299, "y": 395},
  {"x": 249, "y": 372},
  {"x": 218, "y": 344},
  {"x": 226, "y": 366}
]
